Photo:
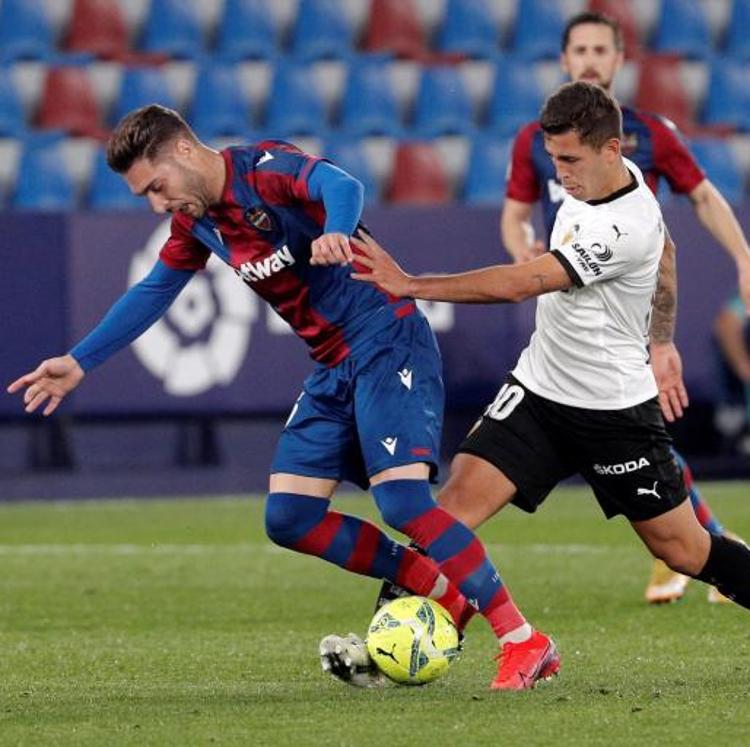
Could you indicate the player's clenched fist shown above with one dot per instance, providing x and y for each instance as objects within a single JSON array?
[
  {"x": 51, "y": 380},
  {"x": 331, "y": 249}
]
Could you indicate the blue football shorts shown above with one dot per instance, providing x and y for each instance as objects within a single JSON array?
[{"x": 379, "y": 408}]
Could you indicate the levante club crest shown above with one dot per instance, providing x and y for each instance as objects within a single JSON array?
[{"x": 259, "y": 218}]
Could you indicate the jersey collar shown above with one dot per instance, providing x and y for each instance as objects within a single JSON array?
[{"x": 619, "y": 193}]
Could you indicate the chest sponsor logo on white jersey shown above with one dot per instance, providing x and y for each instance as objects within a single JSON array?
[
  {"x": 251, "y": 272},
  {"x": 585, "y": 260},
  {"x": 623, "y": 468}
]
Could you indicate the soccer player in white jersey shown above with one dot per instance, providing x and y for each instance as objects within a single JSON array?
[{"x": 582, "y": 398}]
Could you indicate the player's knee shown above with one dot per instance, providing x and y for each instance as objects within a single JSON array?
[
  {"x": 289, "y": 517},
  {"x": 400, "y": 501},
  {"x": 682, "y": 557}
]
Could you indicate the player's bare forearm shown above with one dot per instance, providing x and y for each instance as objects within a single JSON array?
[
  {"x": 516, "y": 231},
  {"x": 715, "y": 213},
  {"x": 495, "y": 284},
  {"x": 664, "y": 311}
]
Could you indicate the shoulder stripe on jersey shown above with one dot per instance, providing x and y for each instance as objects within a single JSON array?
[{"x": 572, "y": 274}]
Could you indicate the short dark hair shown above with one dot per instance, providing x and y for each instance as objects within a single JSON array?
[
  {"x": 593, "y": 17},
  {"x": 585, "y": 108},
  {"x": 142, "y": 133}
]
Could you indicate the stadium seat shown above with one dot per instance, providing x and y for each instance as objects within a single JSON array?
[
  {"x": 68, "y": 102},
  {"x": 220, "y": 106},
  {"x": 418, "y": 176},
  {"x": 99, "y": 27},
  {"x": 321, "y": 30},
  {"x": 395, "y": 26},
  {"x": 516, "y": 99},
  {"x": 488, "y": 166},
  {"x": 622, "y": 11},
  {"x": 369, "y": 105},
  {"x": 442, "y": 105},
  {"x": 174, "y": 28},
  {"x": 247, "y": 30},
  {"x": 295, "y": 105},
  {"x": 25, "y": 30},
  {"x": 348, "y": 154},
  {"x": 537, "y": 29},
  {"x": 682, "y": 29},
  {"x": 737, "y": 40},
  {"x": 141, "y": 86},
  {"x": 469, "y": 27},
  {"x": 108, "y": 190},
  {"x": 43, "y": 181},
  {"x": 721, "y": 167},
  {"x": 728, "y": 100},
  {"x": 661, "y": 89},
  {"x": 12, "y": 115}
]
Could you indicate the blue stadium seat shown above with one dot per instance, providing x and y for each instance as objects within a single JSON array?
[
  {"x": 442, "y": 105},
  {"x": 349, "y": 155},
  {"x": 721, "y": 167},
  {"x": 737, "y": 41},
  {"x": 728, "y": 100},
  {"x": 12, "y": 115},
  {"x": 682, "y": 29},
  {"x": 537, "y": 30},
  {"x": 294, "y": 105},
  {"x": 469, "y": 27},
  {"x": 141, "y": 86},
  {"x": 517, "y": 97},
  {"x": 219, "y": 106},
  {"x": 369, "y": 105},
  {"x": 25, "y": 30},
  {"x": 108, "y": 190},
  {"x": 43, "y": 181},
  {"x": 488, "y": 166},
  {"x": 174, "y": 28},
  {"x": 321, "y": 30},
  {"x": 247, "y": 30}
]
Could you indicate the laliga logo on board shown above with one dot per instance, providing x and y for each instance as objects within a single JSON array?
[{"x": 203, "y": 338}]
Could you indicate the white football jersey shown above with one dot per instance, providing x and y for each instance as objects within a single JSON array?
[{"x": 589, "y": 346}]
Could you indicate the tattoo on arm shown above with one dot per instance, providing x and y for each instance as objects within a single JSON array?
[
  {"x": 664, "y": 311},
  {"x": 540, "y": 278}
]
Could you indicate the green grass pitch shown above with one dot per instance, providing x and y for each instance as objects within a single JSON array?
[{"x": 175, "y": 622}]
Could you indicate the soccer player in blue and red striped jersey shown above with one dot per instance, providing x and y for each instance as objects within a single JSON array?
[
  {"x": 370, "y": 412},
  {"x": 592, "y": 51}
]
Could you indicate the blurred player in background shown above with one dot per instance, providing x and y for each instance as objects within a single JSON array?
[
  {"x": 732, "y": 335},
  {"x": 582, "y": 397},
  {"x": 592, "y": 51},
  {"x": 371, "y": 411}
]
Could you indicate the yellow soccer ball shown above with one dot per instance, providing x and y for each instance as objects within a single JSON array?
[{"x": 412, "y": 640}]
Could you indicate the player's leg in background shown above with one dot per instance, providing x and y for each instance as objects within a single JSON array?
[
  {"x": 665, "y": 584},
  {"x": 685, "y": 546}
]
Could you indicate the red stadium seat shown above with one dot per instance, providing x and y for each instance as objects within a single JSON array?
[
  {"x": 395, "y": 26},
  {"x": 99, "y": 27},
  {"x": 418, "y": 176},
  {"x": 68, "y": 102},
  {"x": 622, "y": 12},
  {"x": 661, "y": 90}
]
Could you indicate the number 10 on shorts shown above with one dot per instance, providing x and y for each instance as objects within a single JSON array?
[{"x": 508, "y": 398}]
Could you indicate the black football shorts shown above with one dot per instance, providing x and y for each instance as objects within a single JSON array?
[{"x": 625, "y": 455}]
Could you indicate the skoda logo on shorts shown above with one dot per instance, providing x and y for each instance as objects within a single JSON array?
[{"x": 203, "y": 338}]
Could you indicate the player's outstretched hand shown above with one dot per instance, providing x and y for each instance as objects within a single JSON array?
[
  {"x": 667, "y": 366},
  {"x": 384, "y": 271},
  {"x": 51, "y": 380},
  {"x": 331, "y": 249}
]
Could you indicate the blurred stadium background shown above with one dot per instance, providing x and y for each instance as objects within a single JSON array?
[{"x": 417, "y": 98}]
